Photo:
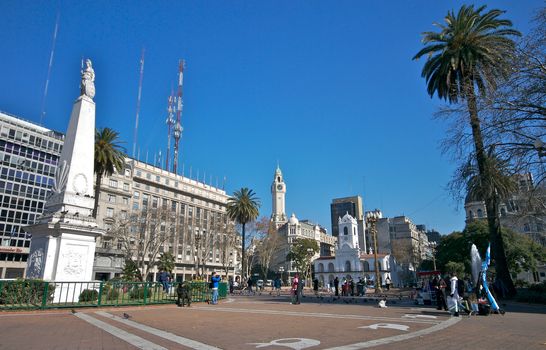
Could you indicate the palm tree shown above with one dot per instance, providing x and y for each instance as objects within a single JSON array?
[
  {"x": 470, "y": 54},
  {"x": 109, "y": 157},
  {"x": 243, "y": 208}
]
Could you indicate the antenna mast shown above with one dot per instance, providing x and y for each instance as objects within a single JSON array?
[
  {"x": 135, "y": 135},
  {"x": 177, "y": 133},
  {"x": 171, "y": 109}
]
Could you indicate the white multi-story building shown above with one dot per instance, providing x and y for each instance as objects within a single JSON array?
[
  {"x": 350, "y": 262},
  {"x": 198, "y": 210},
  {"x": 29, "y": 154}
]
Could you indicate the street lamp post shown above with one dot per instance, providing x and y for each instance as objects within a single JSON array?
[
  {"x": 281, "y": 270},
  {"x": 310, "y": 254},
  {"x": 372, "y": 220}
]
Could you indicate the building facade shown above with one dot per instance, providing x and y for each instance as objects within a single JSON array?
[
  {"x": 29, "y": 154},
  {"x": 197, "y": 223},
  {"x": 515, "y": 212},
  {"x": 354, "y": 207},
  {"x": 350, "y": 262},
  {"x": 292, "y": 229}
]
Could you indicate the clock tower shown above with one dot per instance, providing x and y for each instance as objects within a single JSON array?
[{"x": 278, "y": 191}]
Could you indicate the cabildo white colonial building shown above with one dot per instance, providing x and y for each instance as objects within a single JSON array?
[{"x": 350, "y": 261}]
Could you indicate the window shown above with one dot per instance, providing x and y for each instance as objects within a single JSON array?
[
  {"x": 111, "y": 198},
  {"x": 113, "y": 183},
  {"x": 345, "y": 231},
  {"x": 127, "y": 172},
  {"x": 125, "y": 186},
  {"x": 480, "y": 213},
  {"x": 110, "y": 212},
  {"x": 136, "y": 195},
  {"x": 125, "y": 200}
]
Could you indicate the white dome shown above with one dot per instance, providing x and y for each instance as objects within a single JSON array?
[{"x": 293, "y": 220}]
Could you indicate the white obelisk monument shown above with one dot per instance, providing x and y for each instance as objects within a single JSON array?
[{"x": 63, "y": 239}]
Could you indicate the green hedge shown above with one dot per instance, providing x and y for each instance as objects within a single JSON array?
[{"x": 26, "y": 291}]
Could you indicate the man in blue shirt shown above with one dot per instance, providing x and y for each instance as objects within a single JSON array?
[{"x": 215, "y": 279}]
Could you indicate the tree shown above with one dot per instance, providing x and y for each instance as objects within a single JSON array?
[
  {"x": 522, "y": 253},
  {"x": 166, "y": 262},
  {"x": 268, "y": 243},
  {"x": 227, "y": 244},
  {"x": 471, "y": 54},
  {"x": 301, "y": 252},
  {"x": 243, "y": 207},
  {"x": 109, "y": 157},
  {"x": 142, "y": 235}
]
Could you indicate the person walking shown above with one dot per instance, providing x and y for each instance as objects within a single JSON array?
[
  {"x": 183, "y": 293},
  {"x": 454, "y": 296},
  {"x": 315, "y": 286},
  {"x": 336, "y": 286},
  {"x": 215, "y": 280},
  {"x": 249, "y": 285},
  {"x": 295, "y": 289},
  {"x": 277, "y": 283}
]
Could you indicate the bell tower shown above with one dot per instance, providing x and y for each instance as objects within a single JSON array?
[{"x": 278, "y": 192}]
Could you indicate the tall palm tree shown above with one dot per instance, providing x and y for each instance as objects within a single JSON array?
[
  {"x": 468, "y": 56},
  {"x": 109, "y": 157},
  {"x": 243, "y": 207}
]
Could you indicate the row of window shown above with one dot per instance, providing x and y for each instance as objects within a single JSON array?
[
  {"x": 20, "y": 176},
  {"x": 28, "y": 153},
  {"x": 25, "y": 137},
  {"x": 13, "y": 257}
]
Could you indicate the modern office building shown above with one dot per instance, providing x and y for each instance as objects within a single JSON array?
[
  {"x": 197, "y": 220},
  {"x": 354, "y": 207},
  {"x": 29, "y": 154}
]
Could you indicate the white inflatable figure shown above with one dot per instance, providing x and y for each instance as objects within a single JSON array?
[{"x": 382, "y": 304}]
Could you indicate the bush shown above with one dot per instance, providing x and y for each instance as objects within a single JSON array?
[
  {"x": 539, "y": 287},
  {"x": 112, "y": 294},
  {"x": 137, "y": 293},
  {"x": 531, "y": 296},
  {"x": 88, "y": 295},
  {"x": 25, "y": 291}
]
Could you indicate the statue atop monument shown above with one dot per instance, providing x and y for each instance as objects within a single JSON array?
[{"x": 87, "y": 86}]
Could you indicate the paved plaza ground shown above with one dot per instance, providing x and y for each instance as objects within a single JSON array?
[{"x": 267, "y": 322}]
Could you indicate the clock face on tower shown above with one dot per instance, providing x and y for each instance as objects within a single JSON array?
[{"x": 279, "y": 187}]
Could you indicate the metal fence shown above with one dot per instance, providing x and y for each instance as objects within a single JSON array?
[{"x": 38, "y": 294}]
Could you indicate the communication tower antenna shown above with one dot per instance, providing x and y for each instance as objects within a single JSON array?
[
  {"x": 171, "y": 110},
  {"x": 135, "y": 135},
  {"x": 177, "y": 132}
]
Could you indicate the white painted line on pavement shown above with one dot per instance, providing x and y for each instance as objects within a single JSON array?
[
  {"x": 397, "y": 338},
  {"x": 311, "y": 314},
  {"x": 158, "y": 332},
  {"x": 132, "y": 339}
]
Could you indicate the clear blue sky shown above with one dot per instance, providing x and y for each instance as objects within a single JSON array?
[{"x": 326, "y": 88}]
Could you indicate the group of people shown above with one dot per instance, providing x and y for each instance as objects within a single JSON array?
[
  {"x": 452, "y": 293},
  {"x": 349, "y": 287}
]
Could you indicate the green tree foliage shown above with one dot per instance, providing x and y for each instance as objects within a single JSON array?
[
  {"x": 130, "y": 272},
  {"x": 467, "y": 58},
  {"x": 301, "y": 252},
  {"x": 109, "y": 157},
  {"x": 243, "y": 207},
  {"x": 455, "y": 268},
  {"x": 521, "y": 252},
  {"x": 166, "y": 262}
]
